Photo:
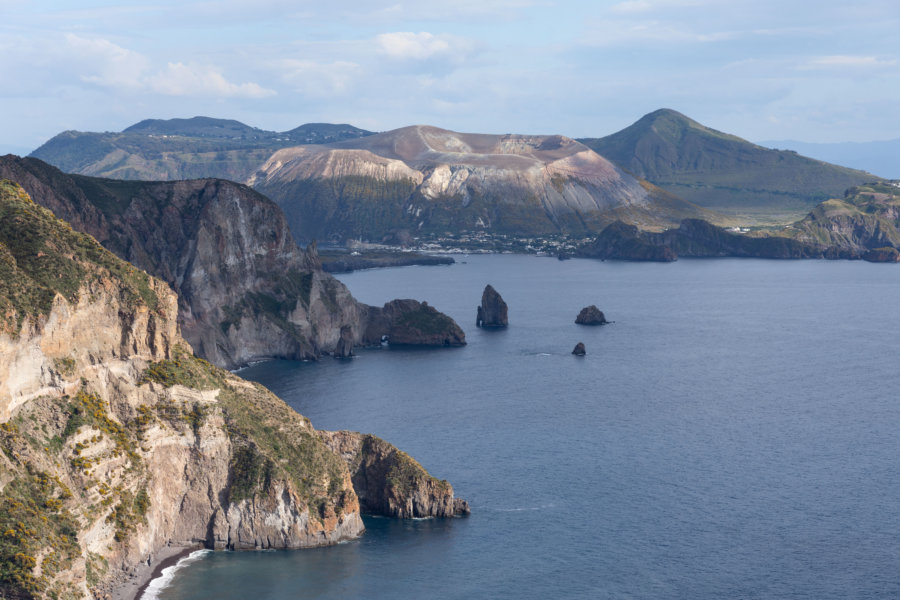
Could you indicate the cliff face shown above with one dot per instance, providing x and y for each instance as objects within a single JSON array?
[
  {"x": 429, "y": 180},
  {"x": 866, "y": 218},
  {"x": 391, "y": 483},
  {"x": 246, "y": 291},
  {"x": 118, "y": 443}
]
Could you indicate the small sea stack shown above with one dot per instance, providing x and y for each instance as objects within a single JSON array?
[
  {"x": 492, "y": 311},
  {"x": 344, "y": 348},
  {"x": 579, "y": 349},
  {"x": 591, "y": 315}
]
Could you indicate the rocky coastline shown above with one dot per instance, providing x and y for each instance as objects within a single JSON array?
[
  {"x": 342, "y": 261},
  {"x": 133, "y": 448}
]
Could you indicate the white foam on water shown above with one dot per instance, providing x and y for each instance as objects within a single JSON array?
[{"x": 165, "y": 577}]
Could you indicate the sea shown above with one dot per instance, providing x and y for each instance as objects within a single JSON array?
[{"x": 733, "y": 433}]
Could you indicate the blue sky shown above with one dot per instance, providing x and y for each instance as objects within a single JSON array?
[{"x": 823, "y": 71}]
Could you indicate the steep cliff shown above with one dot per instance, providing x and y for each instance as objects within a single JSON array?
[
  {"x": 117, "y": 443},
  {"x": 246, "y": 291},
  {"x": 430, "y": 180},
  {"x": 866, "y": 218},
  {"x": 389, "y": 482},
  {"x": 493, "y": 311}
]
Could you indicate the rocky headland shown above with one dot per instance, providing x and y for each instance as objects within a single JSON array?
[
  {"x": 246, "y": 291},
  {"x": 345, "y": 262},
  {"x": 118, "y": 444},
  {"x": 389, "y": 482},
  {"x": 693, "y": 238}
]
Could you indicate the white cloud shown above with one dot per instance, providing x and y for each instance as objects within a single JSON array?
[
  {"x": 101, "y": 62},
  {"x": 318, "y": 79},
  {"x": 405, "y": 45},
  {"x": 105, "y": 63},
  {"x": 848, "y": 61},
  {"x": 620, "y": 32},
  {"x": 179, "y": 79},
  {"x": 632, "y": 6}
]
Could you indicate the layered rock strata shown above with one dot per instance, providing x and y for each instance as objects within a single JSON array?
[{"x": 118, "y": 444}]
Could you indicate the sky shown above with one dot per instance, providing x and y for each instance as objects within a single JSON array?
[{"x": 824, "y": 71}]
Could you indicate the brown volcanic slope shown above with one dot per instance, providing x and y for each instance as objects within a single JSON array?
[{"x": 430, "y": 180}]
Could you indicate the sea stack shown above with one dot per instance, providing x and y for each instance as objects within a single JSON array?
[
  {"x": 591, "y": 315},
  {"x": 579, "y": 349},
  {"x": 492, "y": 312},
  {"x": 344, "y": 348}
]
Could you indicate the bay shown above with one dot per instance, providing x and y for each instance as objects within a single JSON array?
[{"x": 734, "y": 433}]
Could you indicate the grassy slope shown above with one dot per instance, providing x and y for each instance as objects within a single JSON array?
[
  {"x": 722, "y": 171},
  {"x": 868, "y": 216},
  {"x": 41, "y": 256}
]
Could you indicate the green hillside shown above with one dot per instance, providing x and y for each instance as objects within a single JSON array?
[
  {"x": 156, "y": 149},
  {"x": 724, "y": 172}
]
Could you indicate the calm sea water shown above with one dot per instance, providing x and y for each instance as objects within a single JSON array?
[{"x": 734, "y": 434}]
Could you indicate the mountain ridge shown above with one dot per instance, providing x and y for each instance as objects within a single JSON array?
[
  {"x": 724, "y": 172},
  {"x": 426, "y": 180}
]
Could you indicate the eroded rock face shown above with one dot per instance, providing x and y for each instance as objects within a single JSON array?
[
  {"x": 887, "y": 254},
  {"x": 344, "y": 348},
  {"x": 389, "y": 482},
  {"x": 591, "y": 315},
  {"x": 492, "y": 312},
  {"x": 246, "y": 291},
  {"x": 411, "y": 323},
  {"x": 433, "y": 180},
  {"x": 131, "y": 445}
]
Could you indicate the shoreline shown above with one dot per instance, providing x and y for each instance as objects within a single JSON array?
[{"x": 134, "y": 587}]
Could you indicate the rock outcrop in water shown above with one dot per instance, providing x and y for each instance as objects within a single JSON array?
[
  {"x": 246, "y": 291},
  {"x": 591, "y": 315},
  {"x": 391, "y": 483},
  {"x": 118, "y": 444},
  {"x": 579, "y": 349},
  {"x": 492, "y": 312},
  {"x": 411, "y": 323}
]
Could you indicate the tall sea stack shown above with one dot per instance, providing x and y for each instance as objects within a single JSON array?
[{"x": 492, "y": 312}]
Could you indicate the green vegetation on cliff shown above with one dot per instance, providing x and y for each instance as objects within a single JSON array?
[
  {"x": 866, "y": 218},
  {"x": 271, "y": 440},
  {"x": 41, "y": 256}
]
